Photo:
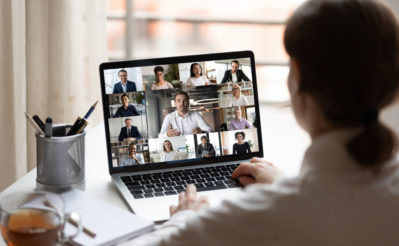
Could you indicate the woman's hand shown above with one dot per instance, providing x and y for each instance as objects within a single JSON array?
[
  {"x": 257, "y": 171},
  {"x": 189, "y": 200}
]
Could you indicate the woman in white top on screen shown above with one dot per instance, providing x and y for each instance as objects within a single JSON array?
[
  {"x": 196, "y": 77},
  {"x": 237, "y": 99},
  {"x": 344, "y": 69},
  {"x": 160, "y": 83},
  {"x": 168, "y": 154}
]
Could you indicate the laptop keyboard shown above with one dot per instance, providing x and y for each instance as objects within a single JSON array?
[{"x": 172, "y": 182}]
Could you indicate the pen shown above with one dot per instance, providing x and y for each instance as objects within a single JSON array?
[
  {"x": 39, "y": 122},
  {"x": 48, "y": 130},
  {"x": 80, "y": 123},
  {"x": 33, "y": 123},
  {"x": 90, "y": 110}
]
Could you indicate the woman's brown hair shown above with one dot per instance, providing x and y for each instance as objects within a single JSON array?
[
  {"x": 348, "y": 57},
  {"x": 163, "y": 145}
]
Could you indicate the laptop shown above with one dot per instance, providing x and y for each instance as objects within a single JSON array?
[{"x": 174, "y": 121}]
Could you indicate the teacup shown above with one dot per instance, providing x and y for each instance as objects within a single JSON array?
[{"x": 35, "y": 218}]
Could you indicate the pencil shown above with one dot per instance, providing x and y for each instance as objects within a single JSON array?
[
  {"x": 33, "y": 123},
  {"x": 72, "y": 221},
  {"x": 80, "y": 123}
]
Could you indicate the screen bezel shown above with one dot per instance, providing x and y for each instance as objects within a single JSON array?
[{"x": 177, "y": 60}]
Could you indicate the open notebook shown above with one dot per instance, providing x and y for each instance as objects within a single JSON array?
[{"x": 110, "y": 223}]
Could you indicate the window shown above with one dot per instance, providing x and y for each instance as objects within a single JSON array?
[{"x": 159, "y": 28}]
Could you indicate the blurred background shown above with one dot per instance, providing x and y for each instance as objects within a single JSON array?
[{"x": 158, "y": 28}]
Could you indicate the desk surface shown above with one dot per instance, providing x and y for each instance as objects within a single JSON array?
[{"x": 284, "y": 145}]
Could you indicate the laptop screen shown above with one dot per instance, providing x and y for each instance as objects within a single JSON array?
[{"x": 178, "y": 111}]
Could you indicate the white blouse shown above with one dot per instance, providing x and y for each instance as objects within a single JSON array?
[
  {"x": 167, "y": 85},
  {"x": 241, "y": 101},
  {"x": 192, "y": 81},
  {"x": 165, "y": 156},
  {"x": 333, "y": 201}
]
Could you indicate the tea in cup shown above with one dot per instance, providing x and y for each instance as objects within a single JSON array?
[{"x": 34, "y": 218}]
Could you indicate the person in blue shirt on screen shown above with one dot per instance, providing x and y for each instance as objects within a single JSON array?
[
  {"x": 124, "y": 85},
  {"x": 126, "y": 110},
  {"x": 134, "y": 157}
]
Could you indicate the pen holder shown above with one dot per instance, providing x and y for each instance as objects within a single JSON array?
[{"x": 60, "y": 160}]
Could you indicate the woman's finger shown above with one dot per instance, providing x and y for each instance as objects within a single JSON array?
[
  {"x": 245, "y": 180},
  {"x": 191, "y": 193},
  {"x": 172, "y": 210},
  {"x": 244, "y": 169},
  {"x": 182, "y": 196}
]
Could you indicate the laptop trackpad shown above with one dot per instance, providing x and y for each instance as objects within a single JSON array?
[{"x": 161, "y": 210}]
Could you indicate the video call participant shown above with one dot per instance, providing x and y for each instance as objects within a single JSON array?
[
  {"x": 239, "y": 123},
  {"x": 234, "y": 74},
  {"x": 205, "y": 149},
  {"x": 183, "y": 121},
  {"x": 237, "y": 99},
  {"x": 168, "y": 154},
  {"x": 160, "y": 83},
  {"x": 129, "y": 131},
  {"x": 196, "y": 77},
  {"x": 134, "y": 157},
  {"x": 126, "y": 109},
  {"x": 124, "y": 85},
  {"x": 241, "y": 147}
]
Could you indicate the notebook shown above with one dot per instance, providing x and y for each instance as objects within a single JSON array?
[
  {"x": 110, "y": 223},
  {"x": 157, "y": 113}
]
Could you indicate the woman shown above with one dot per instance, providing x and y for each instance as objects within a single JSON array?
[
  {"x": 126, "y": 109},
  {"x": 241, "y": 147},
  {"x": 196, "y": 77},
  {"x": 168, "y": 154},
  {"x": 237, "y": 99},
  {"x": 160, "y": 83},
  {"x": 344, "y": 69}
]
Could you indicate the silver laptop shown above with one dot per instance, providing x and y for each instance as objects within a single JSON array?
[{"x": 175, "y": 121}]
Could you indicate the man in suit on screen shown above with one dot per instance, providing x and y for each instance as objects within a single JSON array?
[
  {"x": 234, "y": 74},
  {"x": 129, "y": 132},
  {"x": 124, "y": 85},
  {"x": 205, "y": 149}
]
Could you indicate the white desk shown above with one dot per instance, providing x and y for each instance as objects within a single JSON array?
[{"x": 284, "y": 145}]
